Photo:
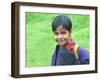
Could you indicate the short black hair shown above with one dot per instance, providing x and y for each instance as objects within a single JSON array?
[{"x": 63, "y": 21}]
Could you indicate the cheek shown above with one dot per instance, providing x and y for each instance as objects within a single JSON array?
[
  {"x": 55, "y": 37},
  {"x": 66, "y": 36}
]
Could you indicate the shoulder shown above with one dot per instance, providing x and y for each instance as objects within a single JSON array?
[
  {"x": 54, "y": 56},
  {"x": 83, "y": 55},
  {"x": 83, "y": 51},
  {"x": 55, "y": 52}
]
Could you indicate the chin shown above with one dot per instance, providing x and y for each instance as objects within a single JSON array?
[{"x": 61, "y": 44}]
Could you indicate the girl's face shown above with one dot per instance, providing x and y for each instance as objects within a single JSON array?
[{"x": 61, "y": 36}]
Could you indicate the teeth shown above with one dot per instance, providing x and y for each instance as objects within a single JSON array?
[{"x": 60, "y": 41}]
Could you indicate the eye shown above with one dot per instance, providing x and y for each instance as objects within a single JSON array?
[
  {"x": 63, "y": 32},
  {"x": 56, "y": 33}
]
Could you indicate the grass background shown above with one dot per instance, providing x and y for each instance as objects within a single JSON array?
[{"x": 39, "y": 37}]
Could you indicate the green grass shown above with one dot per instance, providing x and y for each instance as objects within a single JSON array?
[{"x": 39, "y": 37}]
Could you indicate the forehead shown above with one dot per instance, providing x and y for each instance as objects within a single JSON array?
[{"x": 60, "y": 29}]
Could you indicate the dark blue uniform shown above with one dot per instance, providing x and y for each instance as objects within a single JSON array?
[{"x": 62, "y": 56}]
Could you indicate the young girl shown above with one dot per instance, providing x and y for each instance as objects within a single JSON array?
[{"x": 64, "y": 53}]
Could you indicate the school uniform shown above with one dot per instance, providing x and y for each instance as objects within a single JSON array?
[{"x": 64, "y": 56}]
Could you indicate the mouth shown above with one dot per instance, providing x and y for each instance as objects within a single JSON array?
[{"x": 60, "y": 42}]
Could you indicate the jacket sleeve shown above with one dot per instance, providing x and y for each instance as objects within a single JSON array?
[{"x": 84, "y": 57}]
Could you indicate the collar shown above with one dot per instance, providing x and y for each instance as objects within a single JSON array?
[{"x": 70, "y": 45}]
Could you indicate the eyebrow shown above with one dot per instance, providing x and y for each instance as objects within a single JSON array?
[{"x": 60, "y": 31}]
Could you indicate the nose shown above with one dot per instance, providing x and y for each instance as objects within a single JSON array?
[{"x": 59, "y": 36}]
